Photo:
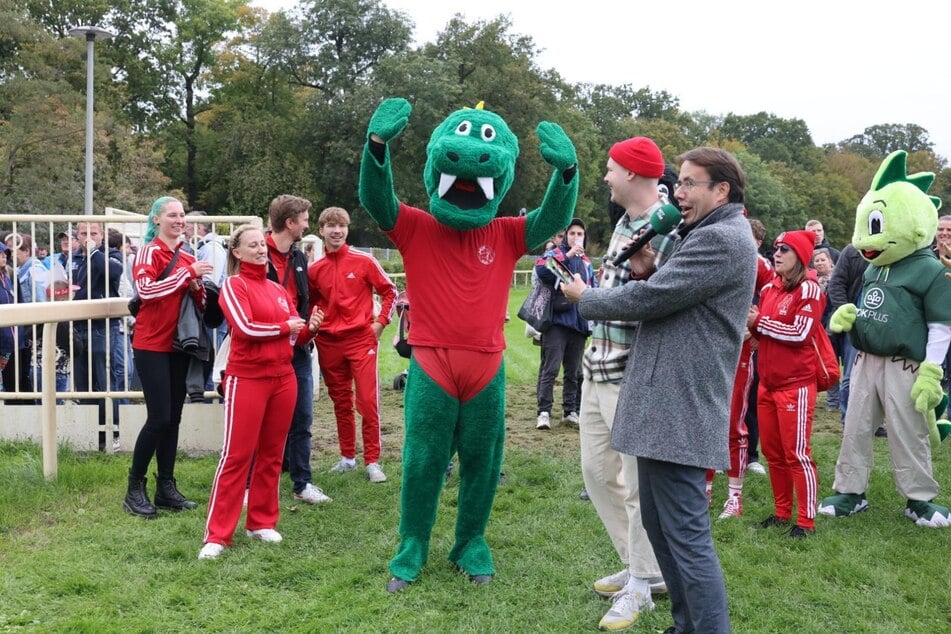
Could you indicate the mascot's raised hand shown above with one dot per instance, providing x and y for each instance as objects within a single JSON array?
[
  {"x": 555, "y": 146},
  {"x": 390, "y": 119}
]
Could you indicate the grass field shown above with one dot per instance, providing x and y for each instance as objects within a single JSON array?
[{"x": 72, "y": 561}]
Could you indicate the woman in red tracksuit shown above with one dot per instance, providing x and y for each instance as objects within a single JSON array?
[
  {"x": 260, "y": 393},
  {"x": 790, "y": 309}
]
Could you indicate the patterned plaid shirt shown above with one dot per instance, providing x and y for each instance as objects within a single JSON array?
[{"x": 606, "y": 356}]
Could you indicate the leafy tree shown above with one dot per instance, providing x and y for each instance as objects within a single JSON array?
[
  {"x": 878, "y": 141},
  {"x": 773, "y": 138},
  {"x": 42, "y": 127},
  {"x": 330, "y": 45}
]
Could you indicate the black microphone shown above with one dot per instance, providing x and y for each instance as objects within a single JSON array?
[{"x": 663, "y": 220}]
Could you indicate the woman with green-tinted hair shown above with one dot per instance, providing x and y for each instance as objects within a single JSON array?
[{"x": 162, "y": 273}]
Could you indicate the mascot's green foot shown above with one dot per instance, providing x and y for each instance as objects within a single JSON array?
[
  {"x": 473, "y": 558},
  {"x": 928, "y": 514},
  {"x": 843, "y": 504},
  {"x": 396, "y": 584}
]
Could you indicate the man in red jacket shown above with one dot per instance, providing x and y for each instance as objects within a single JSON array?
[{"x": 342, "y": 284}]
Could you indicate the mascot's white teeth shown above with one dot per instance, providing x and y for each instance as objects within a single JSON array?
[
  {"x": 487, "y": 183},
  {"x": 445, "y": 182}
]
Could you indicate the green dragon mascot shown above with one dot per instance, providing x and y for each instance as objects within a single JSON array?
[
  {"x": 459, "y": 260},
  {"x": 901, "y": 331}
]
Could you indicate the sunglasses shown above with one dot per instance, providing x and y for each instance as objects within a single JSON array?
[{"x": 784, "y": 248}]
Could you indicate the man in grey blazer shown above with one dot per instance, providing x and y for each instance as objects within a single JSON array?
[{"x": 673, "y": 407}]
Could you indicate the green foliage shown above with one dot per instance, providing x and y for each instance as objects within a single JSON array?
[
  {"x": 878, "y": 141},
  {"x": 234, "y": 106}
]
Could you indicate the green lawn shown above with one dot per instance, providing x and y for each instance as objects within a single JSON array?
[{"x": 71, "y": 560}]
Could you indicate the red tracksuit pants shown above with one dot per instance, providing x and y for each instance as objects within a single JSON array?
[
  {"x": 344, "y": 363},
  {"x": 785, "y": 433},
  {"x": 739, "y": 434},
  {"x": 257, "y": 417}
]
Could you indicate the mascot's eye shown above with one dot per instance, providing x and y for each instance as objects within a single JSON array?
[
  {"x": 463, "y": 129},
  {"x": 875, "y": 222},
  {"x": 488, "y": 132}
]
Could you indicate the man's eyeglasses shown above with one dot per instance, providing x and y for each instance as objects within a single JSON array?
[
  {"x": 784, "y": 248},
  {"x": 689, "y": 183}
]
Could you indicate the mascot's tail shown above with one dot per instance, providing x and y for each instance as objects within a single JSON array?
[{"x": 942, "y": 426}]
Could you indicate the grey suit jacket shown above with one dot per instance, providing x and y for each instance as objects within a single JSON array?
[{"x": 674, "y": 403}]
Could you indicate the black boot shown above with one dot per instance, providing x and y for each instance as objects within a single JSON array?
[
  {"x": 137, "y": 500},
  {"x": 167, "y": 496}
]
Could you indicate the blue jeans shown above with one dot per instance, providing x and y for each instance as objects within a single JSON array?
[
  {"x": 95, "y": 341},
  {"x": 298, "y": 447},
  {"x": 848, "y": 360}
]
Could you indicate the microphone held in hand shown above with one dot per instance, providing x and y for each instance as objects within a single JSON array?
[{"x": 663, "y": 220}]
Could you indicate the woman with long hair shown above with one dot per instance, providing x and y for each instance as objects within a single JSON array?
[
  {"x": 163, "y": 272},
  {"x": 260, "y": 390},
  {"x": 790, "y": 310}
]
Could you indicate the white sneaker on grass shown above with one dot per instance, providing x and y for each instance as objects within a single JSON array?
[
  {"x": 345, "y": 465},
  {"x": 268, "y": 535},
  {"x": 312, "y": 495},
  {"x": 210, "y": 551},
  {"x": 571, "y": 418},
  {"x": 544, "y": 421},
  {"x": 756, "y": 467},
  {"x": 627, "y": 607},
  {"x": 375, "y": 473},
  {"x": 612, "y": 584}
]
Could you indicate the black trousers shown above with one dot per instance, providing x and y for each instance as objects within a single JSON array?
[
  {"x": 561, "y": 346},
  {"x": 163, "y": 384}
]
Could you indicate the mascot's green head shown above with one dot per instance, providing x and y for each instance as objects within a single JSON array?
[
  {"x": 470, "y": 166},
  {"x": 897, "y": 216}
]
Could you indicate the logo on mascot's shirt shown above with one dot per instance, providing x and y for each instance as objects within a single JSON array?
[
  {"x": 874, "y": 298},
  {"x": 486, "y": 254},
  {"x": 282, "y": 302}
]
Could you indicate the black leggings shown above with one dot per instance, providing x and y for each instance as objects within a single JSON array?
[{"x": 163, "y": 384}]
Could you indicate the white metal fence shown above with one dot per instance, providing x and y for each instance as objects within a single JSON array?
[{"x": 88, "y": 358}]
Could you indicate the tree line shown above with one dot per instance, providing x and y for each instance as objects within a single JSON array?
[{"x": 227, "y": 105}]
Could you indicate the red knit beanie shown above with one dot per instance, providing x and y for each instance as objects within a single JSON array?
[
  {"x": 803, "y": 243},
  {"x": 639, "y": 155}
]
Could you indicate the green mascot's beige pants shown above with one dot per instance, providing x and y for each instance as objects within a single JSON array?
[{"x": 881, "y": 388}]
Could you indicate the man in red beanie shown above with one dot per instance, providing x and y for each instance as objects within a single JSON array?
[{"x": 633, "y": 169}]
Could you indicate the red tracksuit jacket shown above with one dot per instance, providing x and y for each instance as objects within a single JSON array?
[
  {"x": 257, "y": 311},
  {"x": 339, "y": 283},
  {"x": 784, "y": 329}
]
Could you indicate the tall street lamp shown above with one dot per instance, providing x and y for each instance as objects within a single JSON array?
[{"x": 90, "y": 34}]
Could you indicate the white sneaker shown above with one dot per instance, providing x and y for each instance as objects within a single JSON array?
[
  {"x": 344, "y": 466},
  {"x": 210, "y": 551},
  {"x": 612, "y": 584},
  {"x": 733, "y": 507},
  {"x": 756, "y": 467},
  {"x": 375, "y": 473},
  {"x": 544, "y": 421},
  {"x": 571, "y": 418},
  {"x": 312, "y": 495},
  {"x": 628, "y": 605},
  {"x": 266, "y": 535}
]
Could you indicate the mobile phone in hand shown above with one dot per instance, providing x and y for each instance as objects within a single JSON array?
[{"x": 560, "y": 270}]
